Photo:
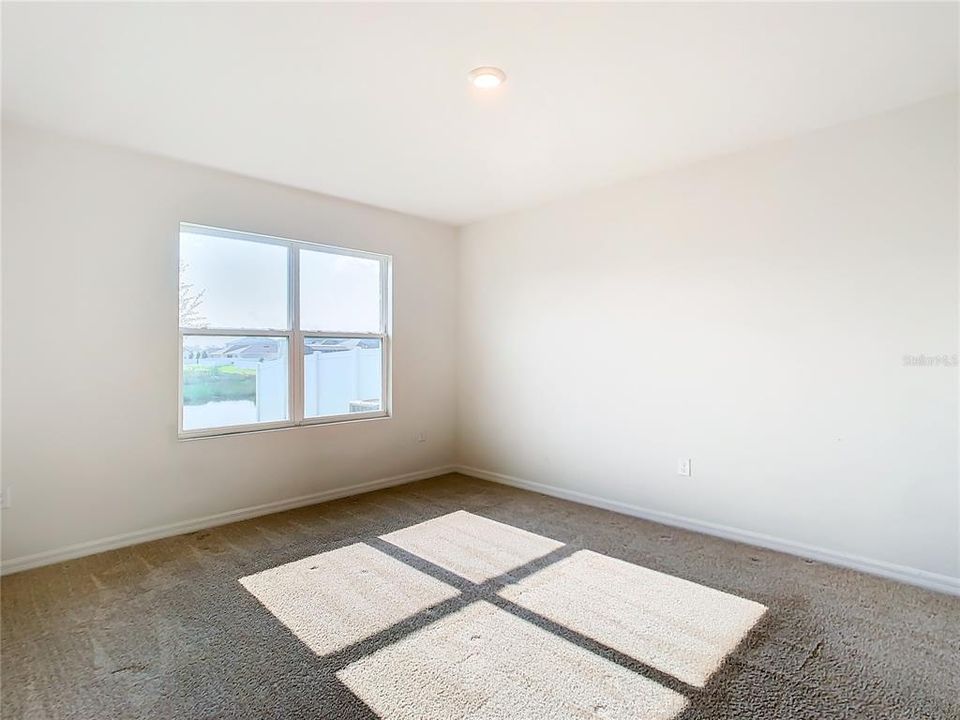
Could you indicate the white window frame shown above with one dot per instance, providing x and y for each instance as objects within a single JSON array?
[{"x": 296, "y": 336}]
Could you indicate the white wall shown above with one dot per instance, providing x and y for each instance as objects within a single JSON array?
[
  {"x": 751, "y": 313},
  {"x": 90, "y": 268}
]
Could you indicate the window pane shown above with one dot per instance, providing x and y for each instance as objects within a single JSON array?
[
  {"x": 341, "y": 376},
  {"x": 339, "y": 293},
  {"x": 230, "y": 283},
  {"x": 233, "y": 381}
]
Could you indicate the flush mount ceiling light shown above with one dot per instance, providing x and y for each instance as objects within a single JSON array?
[{"x": 487, "y": 78}]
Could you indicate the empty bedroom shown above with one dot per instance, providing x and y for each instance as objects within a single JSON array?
[{"x": 442, "y": 361}]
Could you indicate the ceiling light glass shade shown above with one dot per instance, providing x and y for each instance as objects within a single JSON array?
[{"x": 486, "y": 78}]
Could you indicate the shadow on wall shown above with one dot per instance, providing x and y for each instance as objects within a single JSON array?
[{"x": 461, "y": 615}]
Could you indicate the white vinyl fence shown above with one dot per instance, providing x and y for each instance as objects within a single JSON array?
[{"x": 335, "y": 383}]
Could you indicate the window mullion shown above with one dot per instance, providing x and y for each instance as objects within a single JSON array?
[
  {"x": 386, "y": 349},
  {"x": 384, "y": 295},
  {"x": 236, "y": 332},
  {"x": 296, "y": 338},
  {"x": 333, "y": 334}
]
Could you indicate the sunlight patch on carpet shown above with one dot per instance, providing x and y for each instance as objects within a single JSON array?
[
  {"x": 679, "y": 627},
  {"x": 482, "y": 662},
  {"x": 337, "y": 598},
  {"x": 471, "y": 546}
]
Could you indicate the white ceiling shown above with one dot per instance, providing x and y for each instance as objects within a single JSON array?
[{"x": 371, "y": 102}]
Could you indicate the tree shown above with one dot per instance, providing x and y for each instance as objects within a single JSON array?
[{"x": 191, "y": 302}]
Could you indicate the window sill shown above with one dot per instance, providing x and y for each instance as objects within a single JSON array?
[{"x": 189, "y": 436}]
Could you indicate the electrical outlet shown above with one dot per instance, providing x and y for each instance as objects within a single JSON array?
[
  {"x": 4, "y": 497},
  {"x": 683, "y": 467},
  {"x": 421, "y": 437}
]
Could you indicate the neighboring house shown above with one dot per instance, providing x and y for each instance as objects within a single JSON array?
[
  {"x": 325, "y": 345},
  {"x": 248, "y": 349},
  {"x": 269, "y": 348}
]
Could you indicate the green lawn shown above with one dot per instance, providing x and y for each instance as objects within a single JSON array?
[{"x": 212, "y": 383}]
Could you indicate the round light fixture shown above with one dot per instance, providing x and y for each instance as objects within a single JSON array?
[{"x": 487, "y": 78}]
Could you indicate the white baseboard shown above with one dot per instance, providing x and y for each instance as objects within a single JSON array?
[
  {"x": 913, "y": 576},
  {"x": 113, "y": 542}
]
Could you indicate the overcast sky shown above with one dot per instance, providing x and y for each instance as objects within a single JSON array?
[{"x": 245, "y": 286}]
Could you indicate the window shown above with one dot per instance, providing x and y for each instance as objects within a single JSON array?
[{"x": 278, "y": 333}]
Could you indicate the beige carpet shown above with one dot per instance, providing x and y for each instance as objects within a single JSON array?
[
  {"x": 676, "y": 626},
  {"x": 338, "y": 598},
  {"x": 459, "y": 598},
  {"x": 473, "y": 547},
  {"x": 484, "y": 663},
  {"x": 471, "y": 659}
]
